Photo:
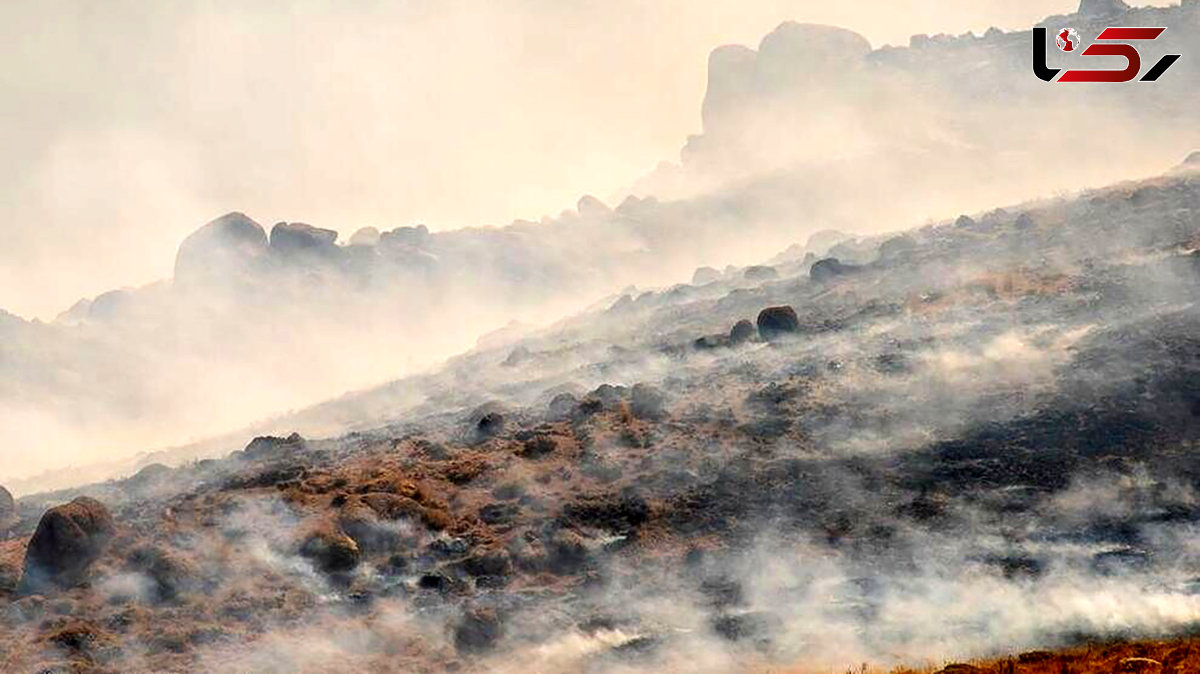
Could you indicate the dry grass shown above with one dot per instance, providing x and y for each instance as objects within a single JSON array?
[{"x": 1173, "y": 656}]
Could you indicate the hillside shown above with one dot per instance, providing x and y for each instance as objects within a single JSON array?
[{"x": 968, "y": 439}]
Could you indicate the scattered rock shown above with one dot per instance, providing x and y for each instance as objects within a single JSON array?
[
  {"x": 777, "y": 322},
  {"x": 830, "y": 268},
  {"x": 331, "y": 551},
  {"x": 69, "y": 538},
  {"x": 489, "y": 425},
  {"x": 170, "y": 575},
  {"x": 646, "y": 401},
  {"x": 477, "y": 631},
  {"x": 710, "y": 342},
  {"x": 743, "y": 331}
]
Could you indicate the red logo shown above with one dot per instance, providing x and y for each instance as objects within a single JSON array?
[{"x": 1068, "y": 41}]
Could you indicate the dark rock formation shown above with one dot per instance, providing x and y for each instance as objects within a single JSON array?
[
  {"x": 743, "y": 331},
  {"x": 646, "y": 401},
  {"x": 490, "y": 425},
  {"x": 331, "y": 551},
  {"x": 267, "y": 446},
  {"x": 777, "y": 322},
  {"x": 477, "y": 631},
  {"x": 297, "y": 238},
  {"x": 69, "y": 538},
  {"x": 228, "y": 245}
]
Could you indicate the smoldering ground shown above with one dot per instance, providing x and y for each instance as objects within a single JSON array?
[{"x": 960, "y": 448}]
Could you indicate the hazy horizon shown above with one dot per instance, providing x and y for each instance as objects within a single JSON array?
[{"x": 131, "y": 126}]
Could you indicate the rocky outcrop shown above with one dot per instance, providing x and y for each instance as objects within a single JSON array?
[
  {"x": 228, "y": 245},
  {"x": 69, "y": 538}
]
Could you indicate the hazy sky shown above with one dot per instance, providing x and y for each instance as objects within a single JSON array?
[{"x": 128, "y": 124}]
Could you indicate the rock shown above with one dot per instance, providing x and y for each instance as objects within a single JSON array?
[
  {"x": 808, "y": 54},
  {"x": 490, "y": 425},
  {"x": 777, "y": 322},
  {"x": 331, "y": 551},
  {"x": 562, "y": 406},
  {"x": 646, "y": 401},
  {"x": 1102, "y": 8},
  {"x": 760, "y": 273},
  {"x": 965, "y": 222},
  {"x": 149, "y": 475},
  {"x": 1192, "y": 160},
  {"x": 402, "y": 238},
  {"x": 477, "y": 631},
  {"x": 266, "y": 446},
  {"x": 517, "y": 356},
  {"x": 749, "y": 625},
  {"x": 228, "y": 245},
  {"x": 821, "y": 242},
  {"x": 488, "y": 563},
  {"x": 590, "y": 206},
  {"x": 829, "y": 269},
  {"x": 710, "y": 342},
  {"x": 896, "y": 247},
  {"x": 8, "y": 509},
  {"x": 705, "y": 275},
  {"x": 538, "y": 446},
  {"x": 171, "y": 576},
  {"x": 366, "y": 236},
  {"x": 743, "y": 331},
  {"x": 1024, "y": 222},
  {"x": 69, "y": 538},
  {"x": 297, "y": 238}
]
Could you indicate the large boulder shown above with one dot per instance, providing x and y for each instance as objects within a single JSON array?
[
  {"x": 299, "y": 239},
  {"x": 477, "y": 631},
  {"x": 777, "y": 322},
  {"x": 69, "y": 538},
  {"x": 226, "y": 246}
]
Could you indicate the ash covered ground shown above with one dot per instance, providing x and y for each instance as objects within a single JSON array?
[{"x": 956, "y": 441}]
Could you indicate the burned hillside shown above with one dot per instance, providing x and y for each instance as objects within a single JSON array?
[{"x": 952, "y": 442}]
